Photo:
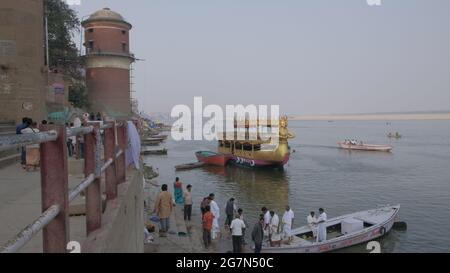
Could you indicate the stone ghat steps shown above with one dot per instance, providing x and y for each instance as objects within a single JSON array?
[
  {"x": 11, "y": 156},
  {"x": 7, "y": 128}
]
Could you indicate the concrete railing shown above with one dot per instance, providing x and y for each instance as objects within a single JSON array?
[{"x": 54, "y": 220}]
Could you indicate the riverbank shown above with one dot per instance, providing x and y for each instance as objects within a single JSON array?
[
  {"x": 176, "y": 241},
  {"x": 373, "y": 117}
]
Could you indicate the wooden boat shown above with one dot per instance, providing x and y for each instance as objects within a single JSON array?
[
  {"x": 259, "y": 152},
  {"x": 164, "y": 137},
  {"x": 150, "y": 141},
  {"x": 154, "y": 139},
  {"x": 189, "y": 166},
  {"x": 396, "y": 135},
  {"x": 154, "y": 152},
  {"x": 344, "y": 231},
  {"x": 365, "y": 147},
  {"x": 212, "y": 158}
]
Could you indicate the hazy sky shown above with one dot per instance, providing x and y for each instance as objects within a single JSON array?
[{"x": 310, "y": 57}]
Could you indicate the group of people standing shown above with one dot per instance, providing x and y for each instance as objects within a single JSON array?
[
  {"x": 318, "y": 225},
  {"x": 210, "y": 219},
  {"x": 269, "y": 227},
  {"x": 30, "y": 156},
  {"x": 353, "y": 142},
  {"x": 275, "y": 231},
  {"x": 164, "y": 204}
]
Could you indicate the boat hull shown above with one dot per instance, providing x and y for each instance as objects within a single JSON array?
[
  {"x": 210, "y": 158},
  {"x": 363, "y": 236},
  {"x": 257, "y": 163},
  {"x": 189, "y": 166}
]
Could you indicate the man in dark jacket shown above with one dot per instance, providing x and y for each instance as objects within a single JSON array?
[
  {"x": 230, "y": 212},
  {"x": 258, "y": 234}
]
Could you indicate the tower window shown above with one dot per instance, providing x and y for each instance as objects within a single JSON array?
[
  {"x": 124, "y": 32},
  {"x": 124, "y": 47},
  {"x": 90, "y": 30},
  {"x": 91, "y": 45}
]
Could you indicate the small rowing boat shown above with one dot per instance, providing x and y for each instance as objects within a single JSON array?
[
  {"x": 162, "y": 136},
  {"x": 396, "y": 135},
  {"x": 189, "y": 166},
  {"x": 212, "y": 158},
  {"x": 151, "y": 141},
  {"x": 154, "y": 152},
  {"x": 365, "y": 147},
  {"x": 343, "y": 231},
  {"x": 154, "y": 139}
]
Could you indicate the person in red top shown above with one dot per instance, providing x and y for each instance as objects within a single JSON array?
[{"x": 207, "y": 220}]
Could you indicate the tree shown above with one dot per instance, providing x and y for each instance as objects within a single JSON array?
[
  {"x": 62, "y": 23},
  {"x": 63, "y": 54},
  {"x": 78, "y": 95}
]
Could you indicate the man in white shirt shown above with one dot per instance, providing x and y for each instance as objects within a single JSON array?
[
  {"x": 288, "y": 222},
  {"x": 187, "y": 203},
  {"x": 237, "y": 230},
  {"x": 267, "y": 217},
  {"x": 322, "y": 226},
  {"x": 312, "y": 223},
  {"x": 215, "y": 210},
  {"x": 274, "y": 229}
]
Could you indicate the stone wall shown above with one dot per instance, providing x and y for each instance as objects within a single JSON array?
[
  {"x": 22, "y": 60},
  {"x": 123, "y": 221}
]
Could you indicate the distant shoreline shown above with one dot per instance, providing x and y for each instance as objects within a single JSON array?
[{"x": 372, "y": 117}]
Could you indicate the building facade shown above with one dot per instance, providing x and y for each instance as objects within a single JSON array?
[
  {"x": 23, "y": 72},
  {"x": 108, "y": 60}
]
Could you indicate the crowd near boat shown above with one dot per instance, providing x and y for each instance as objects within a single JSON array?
[{"x": 272, "y": 233}]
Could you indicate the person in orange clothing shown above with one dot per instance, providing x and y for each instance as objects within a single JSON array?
[{"x": 207, "y": 220}]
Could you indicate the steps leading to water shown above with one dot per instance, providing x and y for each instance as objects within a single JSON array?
[{"x": 11, "y": 156}]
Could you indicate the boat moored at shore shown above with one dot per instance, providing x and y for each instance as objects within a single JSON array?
[
  {"x": 342, "y": 232},
  {"x": 212, "y": 158},
  {"x": 261, "y": 152}
]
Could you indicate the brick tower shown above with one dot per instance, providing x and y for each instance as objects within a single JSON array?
[{"x": 108, "y": 61}]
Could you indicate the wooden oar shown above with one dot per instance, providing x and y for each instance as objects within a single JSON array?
[{"x": 400, "y": 226}]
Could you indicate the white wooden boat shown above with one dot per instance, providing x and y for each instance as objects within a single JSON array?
[
  {"x": 342, "y": 232},
  {"x": 190, "y": 166},
  {"x": 365, "y": 147}
]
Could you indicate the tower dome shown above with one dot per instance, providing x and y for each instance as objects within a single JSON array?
[{"x": 105, "y": 14}]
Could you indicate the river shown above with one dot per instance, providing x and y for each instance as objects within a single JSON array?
[{"x": 415, "y": 175}]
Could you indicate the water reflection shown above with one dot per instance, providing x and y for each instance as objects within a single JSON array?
[{"x": 254, "y": 188}]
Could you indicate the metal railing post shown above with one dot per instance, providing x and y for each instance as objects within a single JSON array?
[
  {"x": 93, "y": 192},
  {"x": 122, "y": 141},
  {"x": 54, "y": 190},
  {"x": 110, "y": 153}
]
